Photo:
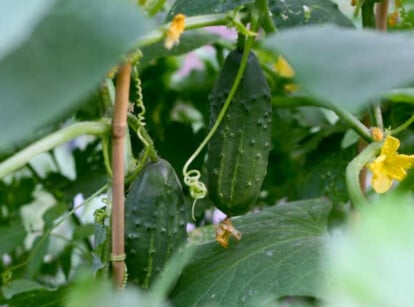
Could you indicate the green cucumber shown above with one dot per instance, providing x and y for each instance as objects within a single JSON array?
[
  {"x": 155, "y": 221},
  {"x": 239, "y": 150}
]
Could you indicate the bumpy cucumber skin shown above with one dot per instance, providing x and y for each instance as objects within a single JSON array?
[
  {"x": 155, "y": 221},
  {"x": 238, "y": 152}
]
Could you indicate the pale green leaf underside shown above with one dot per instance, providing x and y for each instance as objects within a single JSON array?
[
  {"x": 68, "y": 53},
  {"x": 278, "y": 255},
  {"x": 344, "y": 66}
]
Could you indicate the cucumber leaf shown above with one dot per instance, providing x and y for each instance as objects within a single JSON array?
[
  {"x": 193, "y": 8},
  {"x": 295, "y": 13},
  {"x": 343, "y": 66},
  {"x": 279, "y": 255},
  {"x": 68, "y": 53}
]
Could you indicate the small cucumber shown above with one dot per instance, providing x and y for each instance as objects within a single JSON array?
[
  {"x": 155, "y": 221},
  {"x": 239, "y": 150}
]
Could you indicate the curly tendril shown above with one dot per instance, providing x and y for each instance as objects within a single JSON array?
[
  {"x": 140, "y": 104},
  {"x": 197, "y": 188}
]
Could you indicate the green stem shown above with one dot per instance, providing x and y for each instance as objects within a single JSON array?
[
  {"x": 265, "y": 18},
  {"x": 191, "y": 23},
  {"x": 403, "y": 126},
  {"x": 52, "y": 140},
  {"x": 343, "y": 114},
  {"x": 133, "y": 122},
  {"x": 378, "y": 122},
  {"x": 352, "y": 173},
  {"x": 368, "y": 15},
  {"x": 239, "y": 76}
]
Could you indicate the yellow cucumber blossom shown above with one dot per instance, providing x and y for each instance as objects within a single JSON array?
[
  {"x": 174, "y": 32},
  {"x": 389, "y": 165},
  {"x": 286, "y": 71}
]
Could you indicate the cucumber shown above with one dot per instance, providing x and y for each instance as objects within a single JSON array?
[
  {"x": 155, "y": 221},
  {"x": 239, "y": 150}
]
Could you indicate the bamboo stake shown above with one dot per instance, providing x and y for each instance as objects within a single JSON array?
[
  {"x": 119, "y": 126},
  {"x": 381, "y": 15}
]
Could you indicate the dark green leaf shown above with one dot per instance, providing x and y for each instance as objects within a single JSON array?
[
  {"x": 39, "y": 298},
  {"x": 401, "y": 95},
  {"x": 294, "y": 13},
  {"x": 279, "y": 255},
  {"x": 346, "y": 67},
  {"x": 15, "y": 194},
  {"x": 83, "y": 231},
  {"x": 65, "y": 259},
  {"x": 192, "y": 8},
  {"x": 11, "y": 236},
  {"x": 37, "y": 254},
  {"x": 67, "y": 55},
  {"x": 190, "y": 40},
  {"x": 53, "y": 213},
  {"x": 19, "y": 286}
]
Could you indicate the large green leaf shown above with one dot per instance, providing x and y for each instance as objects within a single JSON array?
[
  {"x": 279, "y": 255},
  {"x": 294, "y": 13},
  {"x": 17, "y": 20},
  {"x": 193, "y": 8},
  {"x": 345, "y": 66},
  {"x": 67, "y": 55}
]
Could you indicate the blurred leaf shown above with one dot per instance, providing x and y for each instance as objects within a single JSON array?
[
  {"x": 294, "y": 13},
  {"x": 172, "y": 270},
  {"x": 190, "y": 40},
  {"x": 90, "y": 292},
  {"x": 18, "y": 286},
  {"x": 53, "y": 213},
  {"x": 279, "y": 255},
  {"x": 324, "y": 173},
  {"x": 17, "y": 21},
  {"x": 83, "y": 231},
  {"x": 192, "y": 8},
  {"x": 371, "y": 265},
  {"x": 37, "y": 253},
  {"x": 66, "y": 56},
  {"x": 401, "y": 95},
  {"x": 65, "y": 259},
  {"x": 39, "y": 298},
  {"x": 15, "y": 194},
  {"x": 314, "y": 51},
  {"x": 11, "y": 236}
]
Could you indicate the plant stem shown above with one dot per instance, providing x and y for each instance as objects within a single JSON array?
[
  {"x": 368, "y": 16},
  {"x": 403, "y": 126},
  {"x": 119, "y": 127},
  {"x": 353, "y": 170},
  {"x": 52, "y": 140},
  {"x": 191, "y": 23},
  {"x": 265, "y": 16},
  {"x": 347, "y": 117}
]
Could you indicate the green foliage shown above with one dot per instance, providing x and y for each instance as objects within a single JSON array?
[
  {"x": 278, "y": 255},
  {"x": 326, "y": 60},
  {"x": 303, "y": 242},
  {"x": 370, "y": 265},
  {"x": 66, "y": 55}
]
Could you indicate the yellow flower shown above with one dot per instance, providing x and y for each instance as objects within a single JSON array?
[
  {"x": 286, "y": 71},
  {"x": 389, "y": 165},
  {"x": 174, "y": 32},
  {"x": 283, "y": 68}
]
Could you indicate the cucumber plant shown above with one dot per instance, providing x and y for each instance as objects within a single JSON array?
[{"x": 264, "y": 116}]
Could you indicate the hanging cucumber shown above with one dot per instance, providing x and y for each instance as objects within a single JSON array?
[
  {"x": 238, "y": 151},
  {"x": 154, "y": 221}
]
